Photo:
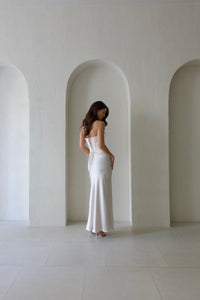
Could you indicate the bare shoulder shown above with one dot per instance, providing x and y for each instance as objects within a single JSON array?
[
  {"x": 82, "y": 130},
  {"x": 99, "y": 124}
]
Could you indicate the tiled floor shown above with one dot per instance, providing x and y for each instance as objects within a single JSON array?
[{"x": 66, "y": 263}]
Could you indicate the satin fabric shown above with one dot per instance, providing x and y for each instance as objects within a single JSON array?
[{"x": 100, "y": 216}]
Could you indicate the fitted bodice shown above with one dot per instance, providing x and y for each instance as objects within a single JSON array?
[{"x": 92, "y": 143}]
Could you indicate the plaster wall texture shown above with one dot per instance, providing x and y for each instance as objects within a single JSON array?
[{"x": 47, "y": 41}]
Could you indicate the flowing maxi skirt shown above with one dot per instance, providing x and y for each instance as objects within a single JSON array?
[{"x": 100, "y": 216}]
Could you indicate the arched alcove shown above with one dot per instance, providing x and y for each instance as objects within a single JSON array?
[
  {"x": 14, "y": 141},
  {"x": 91, "y": 81},
  {"x": 184, "y": 143}
]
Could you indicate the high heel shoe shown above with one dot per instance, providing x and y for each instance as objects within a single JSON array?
[
  {"x": 102, "y": 233},
  {"x": 94, "y": 233}
]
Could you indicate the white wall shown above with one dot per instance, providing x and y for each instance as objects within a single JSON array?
[
  {"x": 99, "y": 80},
  {"x": 184, "y": 140},
  {"x": 14, "y": 145},
  {"x": 47, "y": 40}
]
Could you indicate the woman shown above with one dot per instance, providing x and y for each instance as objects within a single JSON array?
[{"x": 100, "y": 166}]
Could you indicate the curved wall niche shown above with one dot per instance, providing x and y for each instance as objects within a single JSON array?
[
  {"x": 184, "y": 143},
  {"x": 14, "y": 140},
  {"x": 91, "y": 81}
]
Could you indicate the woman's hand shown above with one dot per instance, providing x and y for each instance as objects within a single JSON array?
[{"x": 112, "y": 158}]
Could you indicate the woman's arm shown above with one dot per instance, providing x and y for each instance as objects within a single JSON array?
[
  {"x": 82, "y": 142},
  {"x": 101, "y": 143}
]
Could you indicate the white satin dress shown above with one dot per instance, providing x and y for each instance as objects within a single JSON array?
[{"x": 100, "y": 216}]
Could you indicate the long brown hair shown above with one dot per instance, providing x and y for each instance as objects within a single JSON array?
[{"x": 91, "y": 116}]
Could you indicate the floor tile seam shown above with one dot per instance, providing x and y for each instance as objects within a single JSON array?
[
  {"x": 174, "y": 267},
  {"x": 48, "y": 255},
  {"x": 162, "y": 255},
  {"x": 21, "y": 264},
  {"x": 56, "y": 244},
  {"x": 11, "y": 265},
  {"x": 156, "y": 285},
  {"x": 147, "y": 267},
  {"x": 63, "y": 265},
  {"x": 12, "y": 283},
  {"x": 54, "y": 266},
  {"x": 120, "y": 269},
  {"x": 84, "y": 284},
  {"x": 108, "y": 267}
]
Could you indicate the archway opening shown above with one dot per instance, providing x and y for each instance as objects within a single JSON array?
[
  {"x": 184, "y": 143},
  {"x": 91, "y": 81},
  {"x": 14, "y": 140}
]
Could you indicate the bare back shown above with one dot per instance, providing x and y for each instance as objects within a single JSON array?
[{"x": 94, "y": 129}]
